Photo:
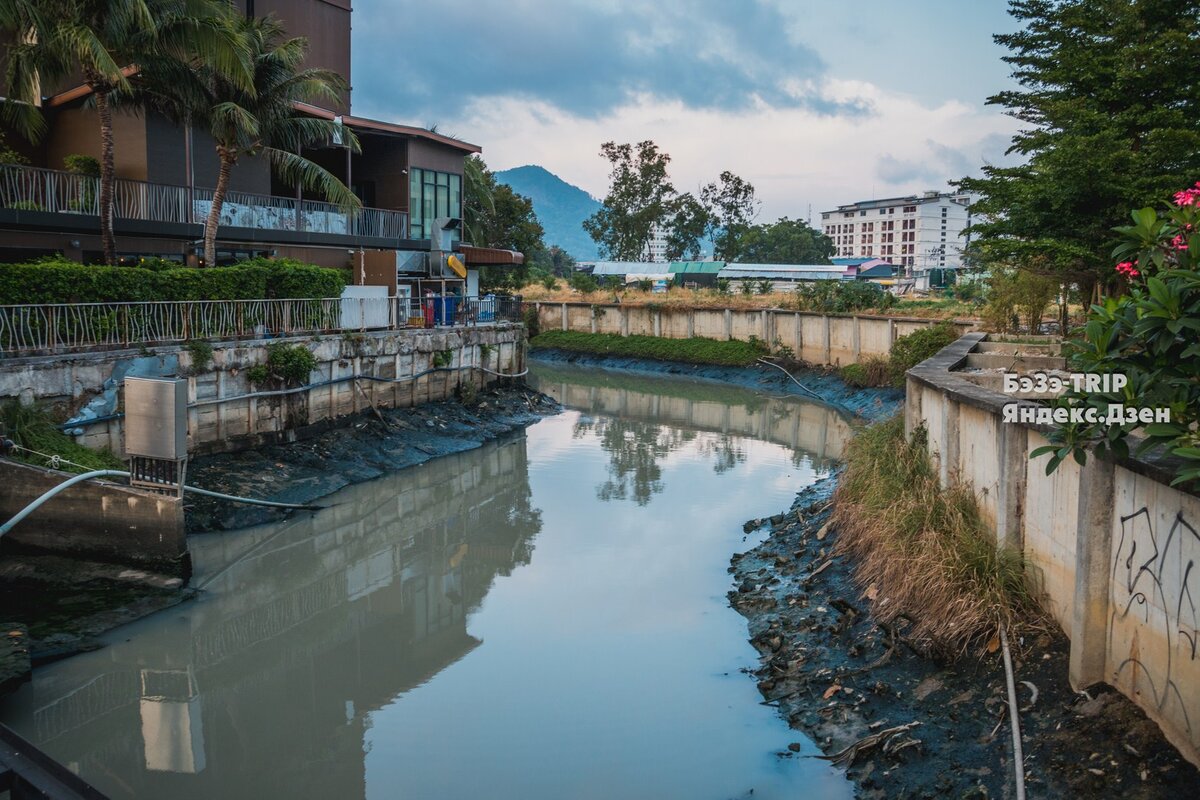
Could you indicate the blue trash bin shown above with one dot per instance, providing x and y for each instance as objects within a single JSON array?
[{"x": 444, "y": 309}]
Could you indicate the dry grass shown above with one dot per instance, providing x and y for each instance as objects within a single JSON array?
[
  {"x": 922, "y": 552},
  {"x": 679, "y": 297}
]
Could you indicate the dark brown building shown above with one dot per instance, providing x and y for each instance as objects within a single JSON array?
[{"x": 405, "y": 176}]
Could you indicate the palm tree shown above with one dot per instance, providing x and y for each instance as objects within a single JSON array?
[
  {"x": 104, "y": 40},
  {"x": 259, "y": 120}
]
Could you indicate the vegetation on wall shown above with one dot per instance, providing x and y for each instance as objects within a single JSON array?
[
  {"x": 922, "y": 551},
  {"x": 689, "y": 351},
  {"x": 286, "y": 363},
  {"x": 838, "y": 297},
  {"x": 33, "y": 428}
]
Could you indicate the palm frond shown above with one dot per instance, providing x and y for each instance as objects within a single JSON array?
[{"x": 299, "y": 171}]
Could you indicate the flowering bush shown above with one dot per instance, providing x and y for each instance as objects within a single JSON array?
[{"x": 1152, "y": 336}]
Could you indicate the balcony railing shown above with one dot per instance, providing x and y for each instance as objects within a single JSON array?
[
  {"x": 36, "y": 189},
  {"x": 64, "y": 327}
]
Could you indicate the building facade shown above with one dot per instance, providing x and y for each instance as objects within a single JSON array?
[
  {"x": 406, "y": 177},
  {"x": 917, "y": 232}
]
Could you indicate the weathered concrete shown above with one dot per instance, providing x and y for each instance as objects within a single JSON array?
[
  {"x": 224, "y": 413},
  {"x": 1110, "y": 546},
  {"x": 814, "y": 338},
  {"x": 94, "y": 519}
]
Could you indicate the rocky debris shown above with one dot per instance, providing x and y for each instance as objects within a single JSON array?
[
  {"x": 364, "y": 447},
  {"x": 906, "y": 726}
]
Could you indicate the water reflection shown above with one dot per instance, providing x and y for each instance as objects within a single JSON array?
[
  {"x": 376, "y": 650},
  {"x": 320, "y": 621},
  {"x": 640, "y": 420}
]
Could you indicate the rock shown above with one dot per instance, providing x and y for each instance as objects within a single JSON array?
[
  {"x": 747, "y": 586},
  {"x": 794, "y": 747}
]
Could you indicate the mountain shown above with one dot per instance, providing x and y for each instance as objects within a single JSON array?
[{"x": 560, "y": 207}]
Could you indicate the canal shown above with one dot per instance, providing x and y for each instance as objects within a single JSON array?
[{"x": 543, "y": 617}]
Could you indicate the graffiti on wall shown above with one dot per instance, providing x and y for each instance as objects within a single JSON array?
[{"x": 1154, "y": 618}]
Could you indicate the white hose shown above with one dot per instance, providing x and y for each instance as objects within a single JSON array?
[
  {"x": 1018, "y": 756},
  {"x": 116, "y": 473}
]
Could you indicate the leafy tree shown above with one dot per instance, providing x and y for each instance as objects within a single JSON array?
[
  {"x": 496, "y": 216},
  {"x": 1111, "y": 101},
  {"x": 639, "y": 197},
  {"x": 731, "y": 207},
  {"x": 688, "y": 226},
  {"x": 785, "y": 241},
  {"x": 255, "y": 120},
  {"x": 55, "y": 40}
]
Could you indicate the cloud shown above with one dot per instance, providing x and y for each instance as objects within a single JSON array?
[{"x": 429, "y": 61}]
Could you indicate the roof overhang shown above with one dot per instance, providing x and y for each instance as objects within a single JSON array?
[
  {"x": 378, "y": 126},
  {"x": 83, "y": 90}
]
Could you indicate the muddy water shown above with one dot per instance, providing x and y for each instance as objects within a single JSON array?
[{"x": 543, "y": 617}]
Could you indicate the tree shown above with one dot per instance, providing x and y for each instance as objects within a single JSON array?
[
  {"x": 1111, "y": 101},
  {"x": 690, "y": 222},
  {"x": 53, "y": 40},
  {"x": 639, "y": 198},
  {"x": 731, "y": 207},
  {"x": 259, "y": 120},
  {"x": 496, "y": 216},
  {"x": 785, "y": 241}
]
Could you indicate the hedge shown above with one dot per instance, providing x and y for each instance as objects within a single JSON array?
[{"x": 58, "y": 280}]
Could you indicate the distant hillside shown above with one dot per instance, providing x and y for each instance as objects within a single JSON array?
[{"x": 560, "y": 207}]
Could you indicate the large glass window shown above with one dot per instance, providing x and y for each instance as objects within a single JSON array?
[{"x": 431, "y": 195}]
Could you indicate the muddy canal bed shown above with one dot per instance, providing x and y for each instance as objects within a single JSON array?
[
  {"x": 543, "y": 616},
  {"x": 836, "y": 674}
]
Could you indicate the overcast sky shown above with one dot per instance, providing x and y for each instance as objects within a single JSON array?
[{"x": 815, "y": 103}]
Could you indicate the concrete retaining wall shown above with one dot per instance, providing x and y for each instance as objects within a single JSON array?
[
  {"x": 94, "y": 519},
  {"x": 213, "y": 426},
  {"x": 1111, "y": 546},
  {"x": 813, "y": 338}
]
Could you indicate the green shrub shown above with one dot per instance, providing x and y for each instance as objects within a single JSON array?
[
  {"x": 765, "y": 286},
  {"x": 871, "y": 372},
  {"x": 10, "y": 156},
  {"x": 550, "y": 283},
  {"x": 59, "y": 280},
  {"x": 31, "y": 427},
  {"x": 840, "y": 297},
  {"x": 583, "y": 282},
  {"x": 910, "y": 350},
  {"x": 442, "y": 358},
  {"x": 82, "y": 165},
  {"x": 645, "y": 285},
  {"x": 26, "y": 205},
  {"x": 202, "y": 355},
  {"x": 1017, "y": 297},
  {"x": 286, "y": 363},
  {"x": 533, "y": 325},
  {"x": 689, "y": 351},
  {"x": 722, "y": 286}
]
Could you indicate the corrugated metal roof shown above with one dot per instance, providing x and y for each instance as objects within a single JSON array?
[
  {"x": 796, "y": 272},
  {"x": 620, "y": 267},
  {"x": 697, "y": 267}
]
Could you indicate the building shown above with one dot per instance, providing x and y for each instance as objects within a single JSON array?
[
  {"x": 405, "y": 176},
  {"x": 656, "y": 249},
  {"x": 918, "y": 233}
]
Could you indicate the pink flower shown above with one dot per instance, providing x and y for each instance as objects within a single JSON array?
[
  {"x": 1188, "y": 197},
  {"x": 1127, "y": 269},
  {"x": 1178, "y": 243}
]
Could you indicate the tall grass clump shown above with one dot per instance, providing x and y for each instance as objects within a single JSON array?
[
  {"x": 922, "y": 551},
  {"x": 32, "y": 428}
]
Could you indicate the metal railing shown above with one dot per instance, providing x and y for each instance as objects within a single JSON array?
[
  {"x": 36, "y": 189},
  {"x": 40, "y": 329}
]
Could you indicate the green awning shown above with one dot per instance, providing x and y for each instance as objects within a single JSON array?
[{"x": 697, "y": 267}]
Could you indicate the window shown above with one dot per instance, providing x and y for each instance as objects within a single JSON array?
[
  {"x": 432, "y": 195},
  {"x": 862, "y": 213},
  {"x": 910, "y": 209},
  {"x": 892, "y": 210},
  {"x": 881, "y": 212}
]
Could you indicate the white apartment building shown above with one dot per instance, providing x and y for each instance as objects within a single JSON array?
[
  {"x": 918, "y": 232},
  {"x": 656, "y": 250}
]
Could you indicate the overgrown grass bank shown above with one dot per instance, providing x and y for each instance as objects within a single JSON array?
[
  {"x": 688, "y": 351},
  {"x": 921, "y": 551},
  {"x": 907, "y": 351},
  {"x": 33, "y": 428}
]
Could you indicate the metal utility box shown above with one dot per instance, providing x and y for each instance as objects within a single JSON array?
[{"x": 156, "y": 418}]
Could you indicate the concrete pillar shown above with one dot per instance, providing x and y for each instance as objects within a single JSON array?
[
  {"x": 656, "y": 322},
  {"x": 856, "y": 339},
  {"x": 828, "y": 348},
  {"x": 912, "y": 406},
  {"x": 624, "y": 320},
  {"x": 1011, "y": 448},
  {"x": 691, "y": 323},
  {"x": 891, "y": 334},
  {"x": 564, "y": 316},
  {"x": 764, "y": 325},
  {"x": 592, "y": 319},
  {"x": 799, "y": 337},
  {"x": 948, "y": 461},
  {"x": 728, "y": 325},
  {"x": 1093, "y": 554}
]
